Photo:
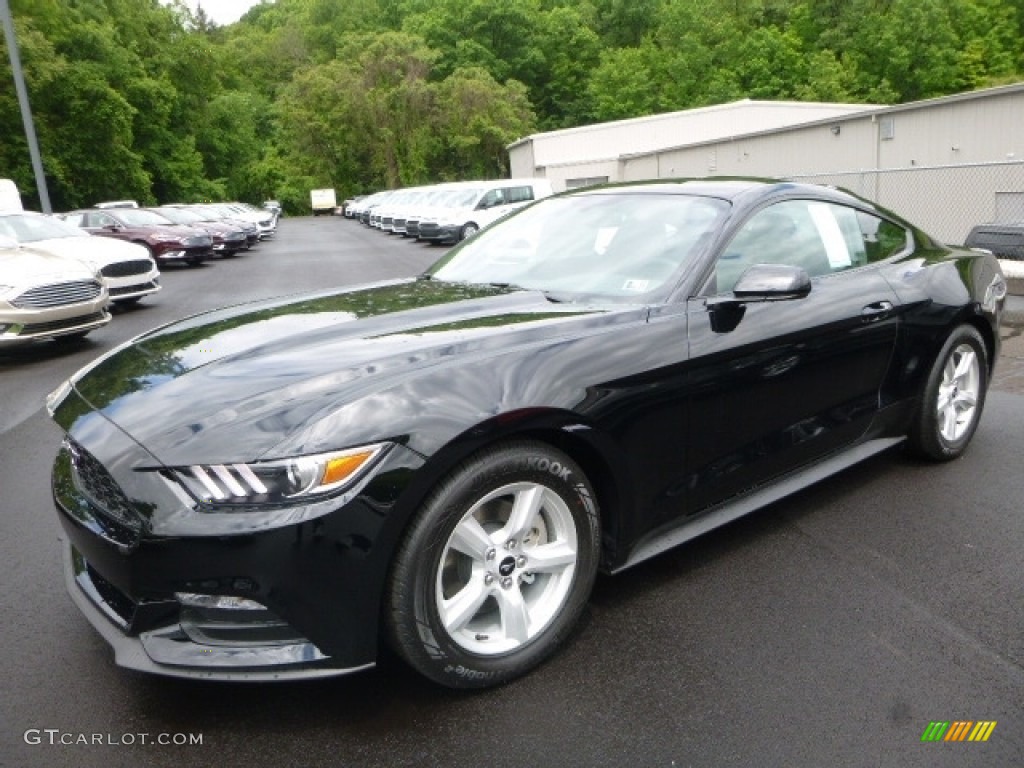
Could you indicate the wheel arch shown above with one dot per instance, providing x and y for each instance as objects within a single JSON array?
[
  {"x": 982, "y": 325},
  {"x": 595, "y": 452}
]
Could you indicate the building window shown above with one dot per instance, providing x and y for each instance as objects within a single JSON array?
[
  {"x": 1009, "y": 206},
  {"x": 887, "y": 128},
  {"x": 587, "y": 182}
]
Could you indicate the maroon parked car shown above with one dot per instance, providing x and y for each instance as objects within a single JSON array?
[
  {"x": 166, "y": 241},
  {"x": 228, "y": 239}
]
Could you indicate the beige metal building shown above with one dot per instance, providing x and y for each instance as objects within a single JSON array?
[
  {"x": 593, "y": 154},
  {"x": 946, "y": 163}
]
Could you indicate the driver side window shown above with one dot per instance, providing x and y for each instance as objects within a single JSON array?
[
  {"x": 492, "y": 198},
  {"x": 822, "y": 238}
]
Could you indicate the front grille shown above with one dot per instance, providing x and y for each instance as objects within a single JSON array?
[
  {"x": 127, "y": 268},
  {"x": 60, "y": 325},
  {"x": 58, "y": 294},
  {"x": 429, "y": 229},
  {"x": 102, "y": 489},
  {"x": 199, "y": 240},
  {"x": 412, "y": 227}
]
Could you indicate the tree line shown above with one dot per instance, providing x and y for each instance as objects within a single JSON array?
[{"x": 141, "y": 99}]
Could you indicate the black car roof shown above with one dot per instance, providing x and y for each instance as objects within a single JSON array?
[{"x": 727, "y": 188}]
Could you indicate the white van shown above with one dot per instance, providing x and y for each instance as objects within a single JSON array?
[
  {"x": 10, "y": 199},
  {"x": 479, "y": 204}
]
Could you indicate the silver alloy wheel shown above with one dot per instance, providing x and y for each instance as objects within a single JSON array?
[
  {"x": 507, "y": 569},
  {"x": 469, "y": 230},
  {"x": 959, "y": 391}
]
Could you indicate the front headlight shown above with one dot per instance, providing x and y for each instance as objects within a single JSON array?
[{"x": 269, "y": 483}]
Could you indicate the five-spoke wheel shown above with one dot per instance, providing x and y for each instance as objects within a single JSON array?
[
  {"x": 496, "y": 568},
  {"x": 953, "y": 397}
]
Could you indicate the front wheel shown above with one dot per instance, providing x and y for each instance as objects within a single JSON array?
[
  {"x": 496, "y": 569},
  {"x": 468, "y": 230},
  {"x": 953, "y": 397}
]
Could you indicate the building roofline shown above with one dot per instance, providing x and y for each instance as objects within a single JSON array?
[
  {"x": 871, "y": 114},
  {"x": 981, "y": 93},
  {"x": 852, "y": 108}
]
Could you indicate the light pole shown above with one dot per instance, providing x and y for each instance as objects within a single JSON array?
[{"x": 26, "y": 112}]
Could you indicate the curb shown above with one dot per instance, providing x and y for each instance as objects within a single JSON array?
[{"x": 1015, "y": 286}]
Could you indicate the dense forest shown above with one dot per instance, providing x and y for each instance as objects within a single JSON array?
[{"x": 135, "y": 98}]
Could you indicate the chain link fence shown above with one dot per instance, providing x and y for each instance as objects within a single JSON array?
[{"x": 945, "y": 201}]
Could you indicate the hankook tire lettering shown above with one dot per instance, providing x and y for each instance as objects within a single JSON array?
[{"x": 542, "y": 464}]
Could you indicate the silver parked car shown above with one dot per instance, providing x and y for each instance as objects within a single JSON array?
[
  {"x": 46, "y": 296},
  {"x": 126, "y": 269}
]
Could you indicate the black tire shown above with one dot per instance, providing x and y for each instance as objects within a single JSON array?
[
  {"x": 513, "y": 617},
  {"x": 953, "y": 397},
  {"x": 468, "y": 230}
]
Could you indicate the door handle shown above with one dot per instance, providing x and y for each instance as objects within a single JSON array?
[{"x": 878, "y": 311}]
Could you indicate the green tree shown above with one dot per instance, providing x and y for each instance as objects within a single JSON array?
[{"x": 478, "y": 118}]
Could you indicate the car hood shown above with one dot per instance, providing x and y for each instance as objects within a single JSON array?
[
  {"x": 96, "y": 251},
  {"x": 28, "y": 266},
  {"x": 235, "y": 383}
]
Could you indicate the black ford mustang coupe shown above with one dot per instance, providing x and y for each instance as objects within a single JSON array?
[{"x": 442, "y": 464}]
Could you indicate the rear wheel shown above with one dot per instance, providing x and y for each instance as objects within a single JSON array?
[
  {"x": 953, "y": 398},
  {"x": 496, "y": 569}
]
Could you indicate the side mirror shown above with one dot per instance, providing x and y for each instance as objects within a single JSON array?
[
  {"x": 772, "y": 282},
  {"x": 759, "y": 283}
]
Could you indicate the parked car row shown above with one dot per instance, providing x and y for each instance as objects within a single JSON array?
[
  {"x": 448, "y": 212},
  {"x": 188, "y": 234},
  {"x": 60, "y": 274}
]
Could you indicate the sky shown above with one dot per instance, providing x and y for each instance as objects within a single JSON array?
[{"x": 223, "y": 11}]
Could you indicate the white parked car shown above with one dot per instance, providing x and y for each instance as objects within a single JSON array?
[
  {"x": 46, "y": 296},
  {"x": 264, "y": 219},
  {"x": 481, "y": 203},
  {"x": 126, "y": 269}
]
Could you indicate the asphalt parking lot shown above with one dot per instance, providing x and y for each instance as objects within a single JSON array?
[{"x": 827, "y": 630}]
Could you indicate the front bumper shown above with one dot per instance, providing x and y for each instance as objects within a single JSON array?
[
  {"x": 438, "y": 233},
  {"x": 191, "y": 254},
  {"x": 133, "y": 286},
  {"x": 134, "y": 550},
  {"x": 171, "y": 651},
  {"x": 22, "y": 326}
]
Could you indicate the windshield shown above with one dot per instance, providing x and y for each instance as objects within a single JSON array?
[
  {"x": 30, "y": 229},
  {"x": 611, "y": 244},
  {"x": 136, "y": 217},
  {"x": 180, "y": 215}
]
